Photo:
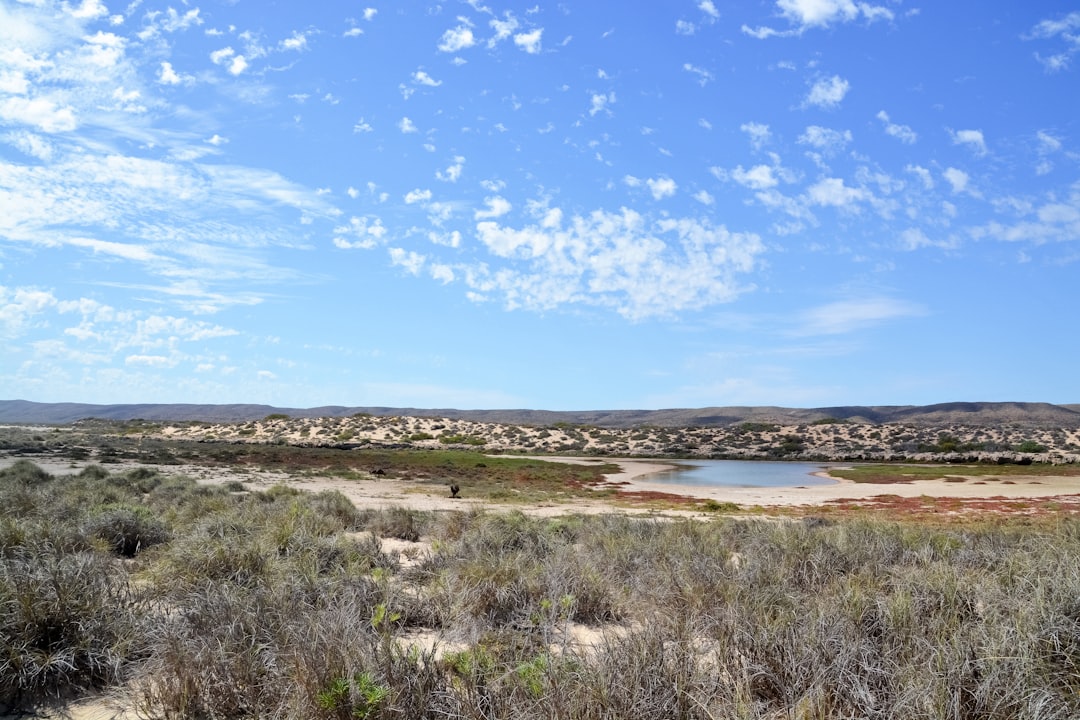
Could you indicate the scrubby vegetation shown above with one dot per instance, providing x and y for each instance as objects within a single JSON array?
[
  {"x": 220, "y": 602},
  {"x": 825, "y": 439}
]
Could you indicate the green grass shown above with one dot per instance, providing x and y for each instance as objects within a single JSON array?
[{"x": 907, "y": 473}]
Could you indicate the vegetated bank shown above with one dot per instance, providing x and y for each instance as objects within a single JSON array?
[{"x": 827, "y": 440}]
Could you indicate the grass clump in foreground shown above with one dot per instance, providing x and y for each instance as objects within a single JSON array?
[{"x": 283, "y": 605}]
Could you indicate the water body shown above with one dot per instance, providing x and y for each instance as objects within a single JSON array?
[{"x": 742, "y": 473}]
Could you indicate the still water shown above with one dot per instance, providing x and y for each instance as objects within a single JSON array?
[{"x": 742, "y": 473}]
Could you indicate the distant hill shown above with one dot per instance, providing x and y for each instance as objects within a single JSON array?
[{"x": 962, "y": 413}]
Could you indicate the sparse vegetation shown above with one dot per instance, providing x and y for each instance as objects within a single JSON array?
[{"x": 283, "y": 604}]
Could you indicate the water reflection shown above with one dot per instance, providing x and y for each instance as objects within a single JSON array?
[{"x": 743, "y": 473}]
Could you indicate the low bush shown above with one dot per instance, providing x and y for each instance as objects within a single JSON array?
[
  {"x": 126, "y": 528},
  {"x": 68, "y": 622},
  {"x": 265, "y": 605}
]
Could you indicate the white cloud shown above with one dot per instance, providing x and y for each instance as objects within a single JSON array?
[
  {"x": 704, "y": 76},
  {"x": 683, "y": 27},
  {"x": 370, "y": 13},
  {"x": 14, "y": 82},
  {"x": 808, "y": 14},
  {"x": 297, "y": 42},
  {"x": 40, "y": 112},
  {"x": 497, "y": 206},
  {"x": 368, "y": 232},
  {"x": 923, "y": 174},
  {"x": 828, "y": 92},
  {"x": 704, "y": 197},
  {"x": 127, "y": 251},
  {"x": 759, "y": 134},
  {"x": 958, "y": 179},
  {"x": 455, "y": 39},
  {"x": 1047, "y": 142},
  {"x": 623, "y": 261},
  {"x": 412, "y": 262},
  {"x": 151, "y": 360},
  {"x": 972, "y": 138},
  {"x": 30, "y": 143},
  {"x": 220, "y": 57},
  {"x": 20, "y": 306},
  {"x": 1067, "y": 28},
  {"x": 833, "y": 192},
  {"x": 662, "y": 187},
  {"x": 530, "y": 41},
  {"x": 825, "y": 139},
  {"x": 821, "y": 13},
  {"x": 417, "y": 195},
  {"x": 600, "y": 103},
  {"x": 422, "y": 78},
  {"x": 88, "y": 10},
  {"x": 1056, "y": 220},
  {"x": 903, "y": 133},
  {"x": 759, "y": 177},
  {"x": 503, "y": 29},
  {"x": 406, "y": 125},
  {"x": 709, "y": 8},
  {"x": 174, "y": 21},
  {"x": 362, "y": 126},
  {"x": 168, "y": 76},
  {"x": 1047, "y": 145},
  {"x": 915, "y": 239},
  {"x": 453, "y": 172},
  {"x": 227, "y": 57},
  {"x": 447, "y": 239}
]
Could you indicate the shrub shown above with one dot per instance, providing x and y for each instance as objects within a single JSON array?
[
  {"x": 67, "y": 622},
  {"x": 396, "y": 522},
  {"x": 127, "y": 529},
  {"x": 24, "y": 473}
]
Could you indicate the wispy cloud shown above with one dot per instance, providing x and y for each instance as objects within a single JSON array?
[
  {"x": 848, "y": 316},
  {"x": 1066, "y": 29},
  {"x": 903, "y": 133}
]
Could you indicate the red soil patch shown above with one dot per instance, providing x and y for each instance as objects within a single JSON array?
[
  {"x": 925, "y": 506},
  {"x": 653, "y": 496}
]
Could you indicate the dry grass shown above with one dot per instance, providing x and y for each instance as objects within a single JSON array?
[{"x": 282, "y": 604}]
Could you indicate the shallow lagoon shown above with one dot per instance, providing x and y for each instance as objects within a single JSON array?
[{"x": 743, "y": 473}]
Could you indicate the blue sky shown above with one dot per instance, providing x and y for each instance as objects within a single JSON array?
[{"x": 569, "y": 205}]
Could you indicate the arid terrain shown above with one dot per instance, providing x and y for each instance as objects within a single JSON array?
[
  {"x": 410, "y": 461},
  {"x": 413, "y": 566}
]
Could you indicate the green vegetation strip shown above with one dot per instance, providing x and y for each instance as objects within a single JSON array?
[{"x": 907, "y": 473}]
